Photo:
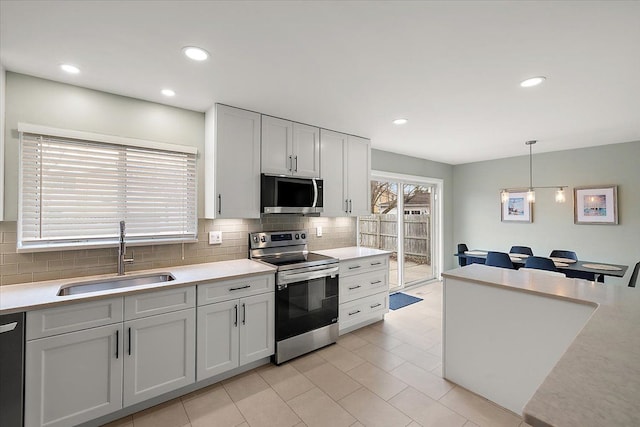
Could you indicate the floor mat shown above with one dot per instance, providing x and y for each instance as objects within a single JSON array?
[{"x": 399, "y": 300}]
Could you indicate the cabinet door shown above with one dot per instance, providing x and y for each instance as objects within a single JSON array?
[
  {"x": 332, "y": 153},
  {"x": 306, "y": 151},
  {"x": 357, "y": 184},
  {"x": 217, "y": 338},
  {"x": 234, "y": 157},
  {"x": 257, "y": 327},
  {"x": 73, "y": 378},
  {"x": 277, "y": 146},
  {"x": 160, "y": 355}
]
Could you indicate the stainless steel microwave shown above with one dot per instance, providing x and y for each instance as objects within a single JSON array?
[{"x": 290, "y": 195}]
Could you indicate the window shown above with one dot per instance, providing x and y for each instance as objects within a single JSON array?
[{"x": 76, "y": 187}]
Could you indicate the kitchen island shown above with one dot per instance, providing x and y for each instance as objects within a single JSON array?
[{"x": 573, "y": 344}]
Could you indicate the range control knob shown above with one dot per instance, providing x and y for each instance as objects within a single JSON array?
[
  {"x": 255, "y": 239},
  {"x": 263, "y": 239},
  {"x": 304, "y": 236},
  {"x": 297, "y": 236}
]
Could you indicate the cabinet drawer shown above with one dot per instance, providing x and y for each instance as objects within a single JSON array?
[
  {"x": 73, "y": 317},
  {"x": 362, "y": 265},
  {"x": 362, "y": 285},
  {"x": 238, "y": 288},
  {"x": 158, "y": 302},
  {"x": 361, "y": 310}
]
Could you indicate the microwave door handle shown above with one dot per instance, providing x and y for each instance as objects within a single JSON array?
[{"x": 315, "y": 192}]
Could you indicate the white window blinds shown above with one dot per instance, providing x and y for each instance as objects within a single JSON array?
[{"x": 75, "y": 191}]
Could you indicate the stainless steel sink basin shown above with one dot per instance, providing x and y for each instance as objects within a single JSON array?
[{"x": 114, "y": 283}]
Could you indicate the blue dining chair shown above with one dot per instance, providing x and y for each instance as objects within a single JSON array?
[
  {"x": 462, "y": 248},
  {"x": 499, "y": 259},
  {"x": 525, "y": 250},
  {"x": 560, "y": 253},
  {"x": 541, "y": 263},
  {"x": 634, "y": 276}
]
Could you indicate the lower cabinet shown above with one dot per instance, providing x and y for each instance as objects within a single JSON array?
[
  {"x": 74, "y": 377},
  {"x": 234, "y": 333},
  {"x": 160, "y": 355}
]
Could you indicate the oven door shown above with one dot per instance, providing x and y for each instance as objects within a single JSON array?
[{"x": 307, "y": 303}]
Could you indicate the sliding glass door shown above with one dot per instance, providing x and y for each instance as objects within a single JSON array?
[{"x": 404, "y": 222}]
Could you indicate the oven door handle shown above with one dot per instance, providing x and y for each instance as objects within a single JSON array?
[{"x": 284, "y": 278}]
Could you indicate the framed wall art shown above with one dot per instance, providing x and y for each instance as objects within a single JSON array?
[
  {"x": 595, "y": 205},
  {"x": 516, "y": 208}
]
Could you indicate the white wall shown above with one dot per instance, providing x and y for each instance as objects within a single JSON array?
[
  {"x": 44, "y": 102},
  {"x": 476, "y": 217}
]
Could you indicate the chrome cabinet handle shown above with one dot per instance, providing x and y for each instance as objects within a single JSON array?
[
  {"x": 296, "y": 169},
  {"x": 235, "y": 307},
  {"x": 346, "y": 206},
  {"x": 241, "y": 287},
  {"x": 8, "y": 327},
  {"x": 354, "y": 312},
  {"x": 354, "y": 287},
  {"x": 350, "y": 205},
  {"x": 375, "y": 305},
  {"x": 290, "y": 164},
  {"x": 244, "y": 314}
]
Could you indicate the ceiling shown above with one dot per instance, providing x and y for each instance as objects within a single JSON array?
[{"x": 452, "y": 68}]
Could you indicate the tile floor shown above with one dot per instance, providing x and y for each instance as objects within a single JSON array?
[{"x": 387, "y": 374}]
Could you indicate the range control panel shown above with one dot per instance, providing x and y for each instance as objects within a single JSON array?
[{"x": 277, "y": 239}]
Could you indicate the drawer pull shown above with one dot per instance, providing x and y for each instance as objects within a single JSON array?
[
  {"x": 354, "y": 312},
  {"x": 353, "y": 267},
  {"x": 241, "y": 287},
  {"x": 376, "y": 282},
  {"x": 375, "y": 305},
  {"x": 354, "y": 287},
  {"x": 376, "y": 263}
]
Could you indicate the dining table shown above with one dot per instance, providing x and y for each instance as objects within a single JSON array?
[{"x": 594, "y": 271}]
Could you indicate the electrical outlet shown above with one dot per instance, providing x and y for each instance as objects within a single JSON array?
[
  {"x": 318, "y": 231},
  {"x": 215, "y": 237}
]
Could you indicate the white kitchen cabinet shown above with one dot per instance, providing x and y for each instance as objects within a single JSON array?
[
  {"x": 232, "y": 163},
  {"x": 160, "y": 355},
  {"x": 238, "y": 328},
  {"x": 290, "y": 148},
  {"x": 346, "y": 163},
  {"x": 74, "y": 377},
  {"x": 363, "y": 292}
]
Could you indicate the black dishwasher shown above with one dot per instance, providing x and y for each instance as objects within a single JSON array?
[{"x": 11, "y": 369}]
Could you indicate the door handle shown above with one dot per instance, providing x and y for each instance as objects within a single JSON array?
[
  {"x": 117, "y": 343},
  {"x": 346, "y": 205},
  {"x": 219, "y": 203},
  {"x": 129, "y": 341},
  {"x": 296, "y": 169},
  {"x": 8, "y": 327},
  {"x": 290, "y": 164},
  {"x": 244, "y": 314},
  {"x": 235, "y": 307},
  {"x": 350, "y": 205}
]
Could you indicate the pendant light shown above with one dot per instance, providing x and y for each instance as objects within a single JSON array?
[{"x": 531, "y": 194}]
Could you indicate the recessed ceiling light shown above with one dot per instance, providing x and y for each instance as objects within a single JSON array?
[
  {"x": 168, "y": 92},
  {"x": 195, "y": 53},
  {"x": 71, "y": 69},
  {"x": 400, "y": 121},
  {"x": 533, "y": 81}
]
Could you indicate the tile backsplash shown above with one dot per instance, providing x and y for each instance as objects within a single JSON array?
[{"x": 38, "y": 266}]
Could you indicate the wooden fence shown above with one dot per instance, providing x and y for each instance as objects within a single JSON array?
[{"x": 381, "y": 232}]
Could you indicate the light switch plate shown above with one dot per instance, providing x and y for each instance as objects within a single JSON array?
[
  {"x": 318, "y": 231},
  {"x": 215, "y": 237}
]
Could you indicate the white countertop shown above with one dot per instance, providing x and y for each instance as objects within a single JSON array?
[
  {"x": 35, "y": 295},
  {"x": 351, "y": 252},
  {"x": 597, "y": 381}
]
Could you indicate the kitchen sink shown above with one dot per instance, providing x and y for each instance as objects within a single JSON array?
[{"x": 114, "y": 283}]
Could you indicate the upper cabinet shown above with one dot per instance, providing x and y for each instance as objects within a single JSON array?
[
  {"x": 290, "y": 148},
  {"x": 232, "y": 163},
  {"x": 346, "y": 161}
]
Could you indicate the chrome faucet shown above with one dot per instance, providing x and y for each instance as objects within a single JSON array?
[{"x": 122, "y": 252}]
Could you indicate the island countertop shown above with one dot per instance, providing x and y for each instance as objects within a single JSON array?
[
  {"x": 36, "y": 295},
  {"x": 597, "y": 380}
]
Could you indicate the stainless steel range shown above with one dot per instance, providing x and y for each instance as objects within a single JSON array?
[{"x": 306, "y": 292}]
